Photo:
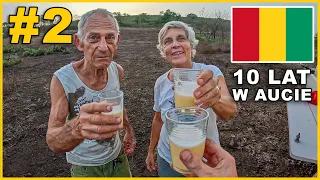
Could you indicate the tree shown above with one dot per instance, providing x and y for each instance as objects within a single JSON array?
[
  {"x": 5, "y": 24},
  {"x": 200, "y": 24},
  {"x": 76, "y": 17},
  {"x": 169, "y": 15},
  {"x": 225, "y": 29},
  {"x": 5, "y": 29},
  {"x": 116, "y": 13},
  {"x": 192, "y": 16},
  {"x": 214, "y": 22},
  {"x": 141, "y": 18},
  {"x": 45, "y": 24}
]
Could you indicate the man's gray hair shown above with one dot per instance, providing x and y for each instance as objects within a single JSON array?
[
  {"x": 84, "y": 19},
  {"x": 178, "y": 24}
]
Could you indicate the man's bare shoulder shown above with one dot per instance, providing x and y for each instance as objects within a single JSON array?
[{"x": 120, "y": 71}]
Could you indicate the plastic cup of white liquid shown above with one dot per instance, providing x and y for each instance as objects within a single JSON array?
[
  {"x": 187, "y": 128},
  {"x": 114, "y": 97},
  {"x": 185, "y": 82}
]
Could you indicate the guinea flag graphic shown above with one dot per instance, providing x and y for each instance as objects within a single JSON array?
[{"x": 272, "y": 34}]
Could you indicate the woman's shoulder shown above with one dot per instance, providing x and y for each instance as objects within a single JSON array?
[
  {"x": 161, "y": 79},
  {"x": 203, "y": 65},
  {"x": 215, "y": 69}
]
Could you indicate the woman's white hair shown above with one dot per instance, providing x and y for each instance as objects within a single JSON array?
[
  {"x": 178, "y": 24},
  {"x": 85, "y": 17}
]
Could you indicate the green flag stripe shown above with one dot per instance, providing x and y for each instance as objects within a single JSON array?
[{"x": 299, "y": 34}]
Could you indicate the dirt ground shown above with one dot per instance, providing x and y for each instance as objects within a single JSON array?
[{"x": 257, "y": 137}]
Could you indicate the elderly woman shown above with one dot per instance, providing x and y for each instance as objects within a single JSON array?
[{"x": 177, "y": 45}]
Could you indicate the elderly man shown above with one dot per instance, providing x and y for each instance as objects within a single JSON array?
[{"x": 76, "y": 124}]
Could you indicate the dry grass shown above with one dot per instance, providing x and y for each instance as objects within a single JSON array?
[
  {"x": 213, "y": 48},
  {"x": 10, "y": 84}
]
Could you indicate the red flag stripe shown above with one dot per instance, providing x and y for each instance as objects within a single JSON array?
[{"x": 245, "y": 34}]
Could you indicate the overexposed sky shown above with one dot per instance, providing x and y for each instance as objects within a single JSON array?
[
  {"x": 134, "y": 8},
  {"x": 137, "y": 8}
]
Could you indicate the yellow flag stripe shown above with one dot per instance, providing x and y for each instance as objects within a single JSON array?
[{"x": 272, "y": 34}]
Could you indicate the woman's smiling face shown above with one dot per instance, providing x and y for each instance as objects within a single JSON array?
[{"x": 176, "y": 47}]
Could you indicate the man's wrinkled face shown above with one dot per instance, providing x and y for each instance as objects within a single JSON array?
[{"x": 99, "y": 41}]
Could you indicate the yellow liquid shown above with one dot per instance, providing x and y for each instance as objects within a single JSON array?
[
  {"x": 120, "y": 115},
  {"x": 117, "y": 112},
  {"x": 175, "y": 150},
  {"x": 181, "y": 100}
]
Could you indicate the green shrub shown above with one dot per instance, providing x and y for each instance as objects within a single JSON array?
[
  {"x": 11, "y": 60},
  {"x": 44, "y": 51},
  {"x": 29, "y": 52},
  {"x": 12, "y": 49}
]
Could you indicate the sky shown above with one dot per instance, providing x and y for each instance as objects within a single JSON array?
[{"x": 134, "y": 8}]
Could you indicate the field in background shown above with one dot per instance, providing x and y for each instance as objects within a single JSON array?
[
  {"x": 257, "y": 137},
  {"x": 213, "y": 27}
]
